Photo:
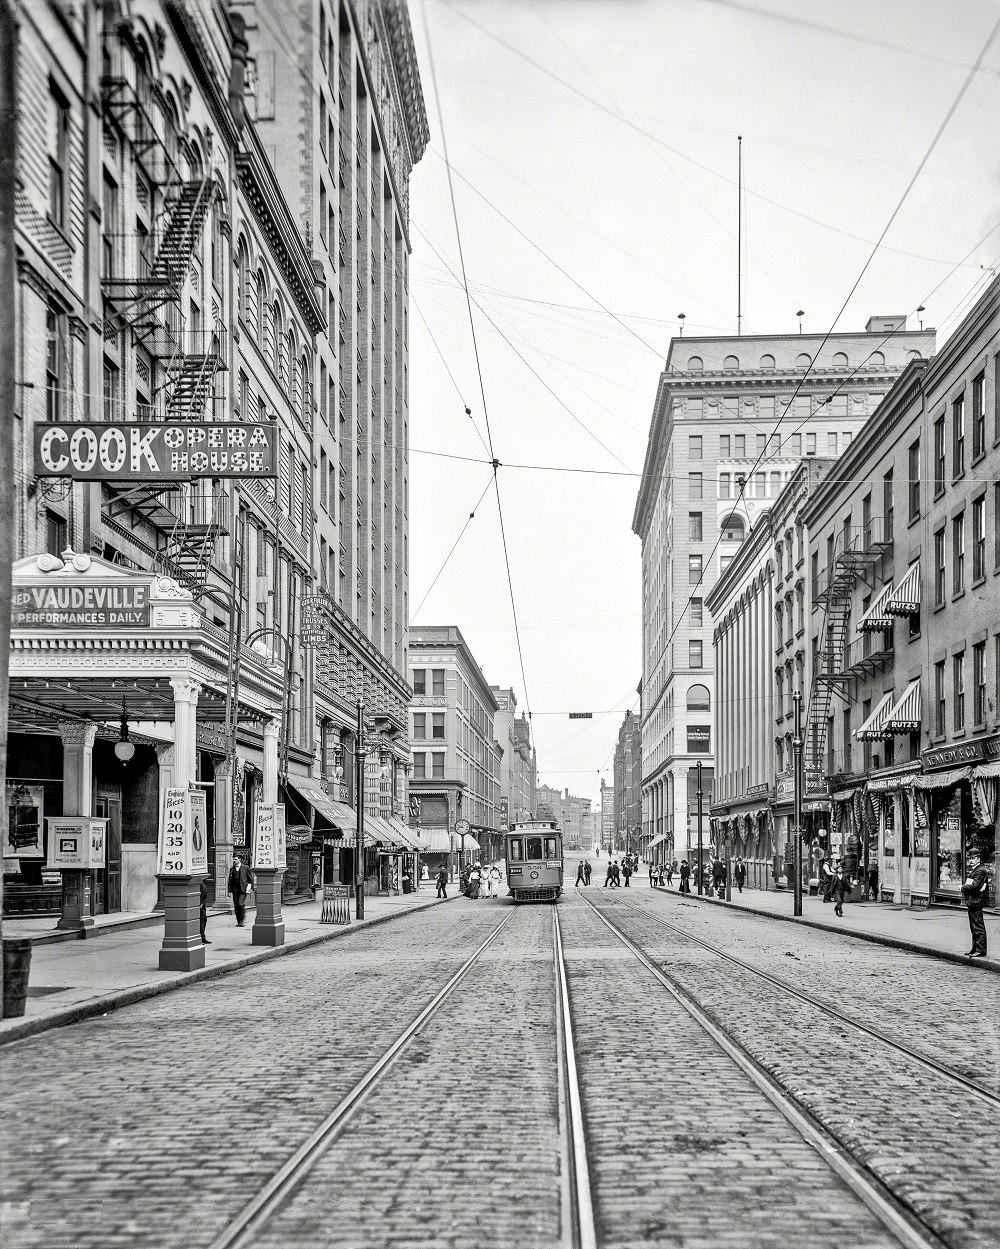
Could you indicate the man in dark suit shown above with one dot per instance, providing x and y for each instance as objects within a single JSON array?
[
  {"x": 974, "y": 895},
  {"x": 240, "y": 880}
]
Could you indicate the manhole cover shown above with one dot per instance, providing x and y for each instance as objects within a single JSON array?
[{"x": 43, "y": 990}]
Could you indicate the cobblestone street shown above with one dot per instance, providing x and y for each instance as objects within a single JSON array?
[{"x": 157, "y": 1124}]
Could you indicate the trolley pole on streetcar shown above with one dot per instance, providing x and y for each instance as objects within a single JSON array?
[
  {"x": 797, "y": 804},
  {"x": 359, "y": 827},
  {"x": 700, "y": 868}
]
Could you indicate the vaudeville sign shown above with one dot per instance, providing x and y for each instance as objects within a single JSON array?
[
  {"x": 150, "y": 451},
  {"x": 80, "y": 604}
]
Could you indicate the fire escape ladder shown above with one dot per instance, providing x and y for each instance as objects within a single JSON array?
[{"x": 199, "y": 522}]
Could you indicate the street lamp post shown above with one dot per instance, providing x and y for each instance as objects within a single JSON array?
[
  {"x": 729, "y": 863},
  {"x": 700, "y": 870},
  {"x": 797, "y": 804},
  {"x": 359, "y": 827}
]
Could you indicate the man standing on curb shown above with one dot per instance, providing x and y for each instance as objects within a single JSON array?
[{"x": 974, "y": 895}]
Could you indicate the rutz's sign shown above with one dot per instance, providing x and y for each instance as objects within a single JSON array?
[
  {"x": 80, "y": 605},
  {"x": 152, "y": 451}
]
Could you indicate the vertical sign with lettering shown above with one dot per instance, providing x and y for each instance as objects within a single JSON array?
[
  {"x": 174, "y": 858},
  {"x": 280, "y": 837},
  {"x": 264, "y": 837},
  {"x": 198, "y": 801}
]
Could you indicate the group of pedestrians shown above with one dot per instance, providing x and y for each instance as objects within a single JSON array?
[{"x": 583, "y": 873}]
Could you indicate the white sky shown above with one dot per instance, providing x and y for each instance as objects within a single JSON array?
[{"x": 837, "y": 105}]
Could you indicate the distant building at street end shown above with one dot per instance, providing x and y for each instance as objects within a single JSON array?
[
  {"x": 760, "y": 606},
  {"x": 517, "y": 765},
  {"x": 608, "y": 817},
  {"x": 903, "y": 724},
  {"x": 548, "y": 803},
  {"x": 731, "y": 420},
  {"x": 573, "y": 814},
  {"x": 456, "y": 758},
  {"x": 628, "y": 791}
]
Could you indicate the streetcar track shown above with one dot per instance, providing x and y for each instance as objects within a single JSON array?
[
  {"x": 897, "y": 1217},
  {"x": 274, "y": 1192},
  {"x": 939, "y": 1068}
]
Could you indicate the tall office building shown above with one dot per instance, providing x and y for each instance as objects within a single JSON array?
[{"x": 732, "y": 418}]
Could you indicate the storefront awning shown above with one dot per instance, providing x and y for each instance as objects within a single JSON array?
[
  {"x": 876, "y": 617},
  {"x": 338, "y": 813},
  {"x": 987, "y": 771},
  {"x": 658, "y": 841},
  {"x": 874, "y": 727},
  {"x": 405, "y": 835},
  {"x": 381, "y": 831},
  {"x": 905, "y": 599},
  {"x": 435, "y": 840},
  {"x": 905, "y": 715},
  {"x": 942, "y": 780}
]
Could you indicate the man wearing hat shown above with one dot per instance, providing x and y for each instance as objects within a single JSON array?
[{"x": 240, "y": 881}]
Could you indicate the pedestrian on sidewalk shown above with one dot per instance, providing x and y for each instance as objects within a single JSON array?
[
  {"x": 841, "y": 888},
  {"x": 587, "y": 869},
  {"x": 826, "y": 878},
  {"x": 442, "y": 881},
  {"x": 581, "y": 876},
  {"x": 719, "y": 877},
  {"x": 873, "y": 881},
  {"x": 668, "y": 871},
  {"x": 616, "y": 875},
  {"x": 974, "y": 895},
  {"x": 652, "y": 873},
  {"x": 741, "y": 874},
  {"x": 685, "y": 886},
  {"x": 203, "y": 909},
  {"x": 627, "y": 870},
  {"x": 609, "y": 878},
  {"x": 493, "y": 878},
  {"x": 240, "y": 883}
]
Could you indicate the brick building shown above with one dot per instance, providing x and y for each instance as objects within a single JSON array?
[{"x": 628, "y": 795}]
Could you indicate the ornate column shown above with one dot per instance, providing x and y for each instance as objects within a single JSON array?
[
  {"x": 78, "y": 798},
  {"x": 182, "y": 948}
]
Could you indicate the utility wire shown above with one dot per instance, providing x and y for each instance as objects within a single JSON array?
[
  {"x": 475, "y": 344},
  {"x": 471, "y": 518},
  {"x": 468, "y": 410}
]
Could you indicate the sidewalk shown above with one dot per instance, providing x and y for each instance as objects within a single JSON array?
[
  {"x": 71, "y": 980},
  {"x": 941, "y": 931}
]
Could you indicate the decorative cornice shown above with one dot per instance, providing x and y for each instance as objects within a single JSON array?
[{"x": 199, "y": 57}]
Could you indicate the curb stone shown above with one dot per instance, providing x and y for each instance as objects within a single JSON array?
[
  {"x": 127, "y": 997},
  {"x": 876, "y": 938}
]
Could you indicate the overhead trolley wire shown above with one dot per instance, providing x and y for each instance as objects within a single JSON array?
[{"x": 475, "y": 344}]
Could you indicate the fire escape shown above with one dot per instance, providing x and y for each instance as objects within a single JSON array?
[
  {"x": 857, "y": 552},
  {"x": 143, "y": 278}
]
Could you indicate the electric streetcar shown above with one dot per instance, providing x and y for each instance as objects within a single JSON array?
[{"x": 534, "y": 858}]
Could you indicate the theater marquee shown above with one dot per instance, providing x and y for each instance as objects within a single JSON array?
[{"x": 154, "y": 451}]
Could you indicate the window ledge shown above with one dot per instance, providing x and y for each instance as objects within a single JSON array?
[
  {"x": 978, "y": 581},
  {"x": 957, "y": 595}
]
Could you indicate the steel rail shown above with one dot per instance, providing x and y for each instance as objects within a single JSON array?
[
  {"x": 895, "y": 1216},
  {"x": 973, "y": 1086},
  {"x": 579, "y": 1231},
  {"x": 297, "y": 1166}
]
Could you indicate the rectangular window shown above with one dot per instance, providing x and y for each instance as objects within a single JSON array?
[
  {"x": 958, "y": 436},
  {"x": 699, "y": 739},
  {"x": 979, "y": 538},
  {"x": 724, "y": 562},
  {"x": 419, "y": 725},
  {"x": 888, "y": 510},
  {"x": 694, "y": 485},
  {"x": 419, "y": 765},
  {"x": 694, "y": 526},
  {"x": 437, "y": 725},
  {"x": 794, "y": 443},
  {"x": 723, "y": 485},
  {"x": 831, "y": 444},
  {"x": 694, "y": 652},
  {"x": 940, "y": 708},
  {"x": 437, "y": 677},
  {"x": 760, "y": 485},
  {"x": 939, "y": 465},
  {"x": 56, "y": 534},
  {"x": 913, "y": 461},
  {"x": 420, "y": 680},
  {"x": 694, "y": 446},
  {"x": 53, "y": 366},
  {"x": 58, "y": 147},
  {"x": 694, "y": 569},
  {"x": 940, "y": 571},
  {"x": 810, "y": 444},
  {"x": 112, "y": 391},
  {"x": 437, "y": 758},
  {"x": 958, "y": 554},
  {"x": 724, "y": 446},
  {"x": 978, "y": 416},
  {"x": 979, "y": 683},
  {"x": 697, "y": 613},
  {"x": 958, "y": 690},
  {"x": 740, "y": 442},
  {"x": 996, "y": 521},
  {"x": 761, "y": 445}
]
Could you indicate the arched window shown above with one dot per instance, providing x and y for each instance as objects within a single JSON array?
[
  {"x": 699, "y": 699},
  {"x": 731, "y": 364},
  {"x": 803, "y": 360},
  {"x": 840, "y": 360},
  {"x": 733, "y": 528},
  {"x": 913, "y": 355},
  {"x": 767, "y": 361},
  {"x": 877, "y": 360},
  {"x": 243, "y": 267},
  {"x": 695, "y": 364},
  {"x": 277, "y": 339},
  {"x": 305, "y": 397},
  {"x": 259, "y": 313},
  {"x": 290, "y": 365}
]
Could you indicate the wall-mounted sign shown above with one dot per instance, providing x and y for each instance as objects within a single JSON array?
[
  {"x": 154, "y": 451},
  {"x": 269, "y": 839},
  {"x": 174, "y": 849},
  {"x": 80, "y": 605},
  {"x": 280, "y": 837},
  {"x": 199, "y": 832},
  {"x": 76, "y": 841}
]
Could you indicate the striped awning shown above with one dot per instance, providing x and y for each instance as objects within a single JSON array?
[
  {"x": 905, "y": 715},
  {"x": 407, "y": 837},
  {"x": 905, "y": 599},
  {"x": 942, "y": 780},
  {"x": 876, "y": 617},
  {"x": 658, "y": 841},
  {"x": 874, "y": 727}
]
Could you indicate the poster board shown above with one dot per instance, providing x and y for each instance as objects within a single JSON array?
[
  {"x": 265, "y": 837},
  {"x": 174, "y": 842},
  {"x": 25, "y": 822},
  {"x": 77, "y": 842},
  {"x": 280, "y": 837},
  {"x": 198, "y": 800}
]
